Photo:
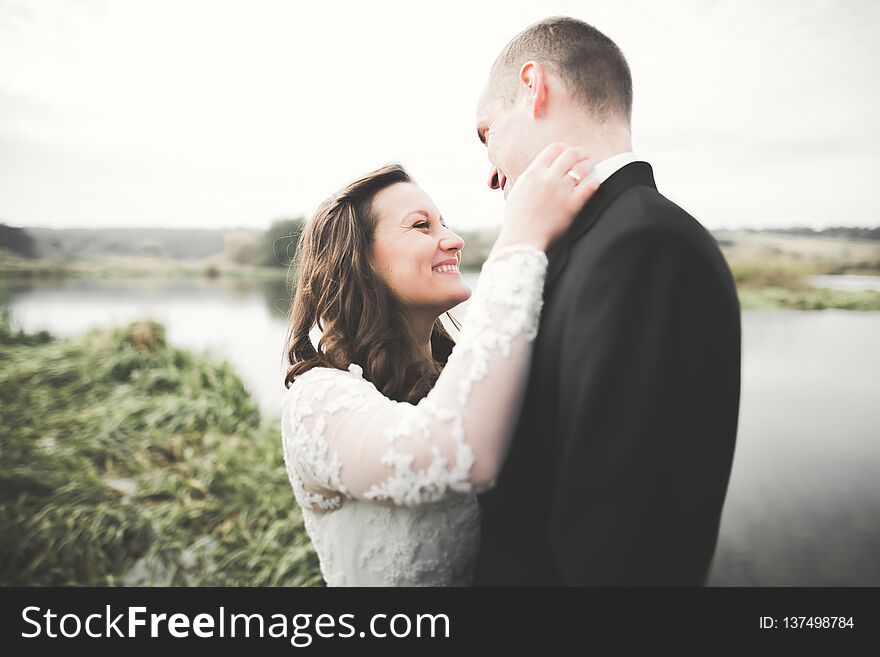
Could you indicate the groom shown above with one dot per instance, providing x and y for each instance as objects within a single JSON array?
[{"x": 619, "y": 467}]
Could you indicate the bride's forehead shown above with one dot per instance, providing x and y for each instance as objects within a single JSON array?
[{"x": 394, "y": 203}]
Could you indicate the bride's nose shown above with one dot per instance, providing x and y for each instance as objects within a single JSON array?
[{"x": 451, "y": 242}]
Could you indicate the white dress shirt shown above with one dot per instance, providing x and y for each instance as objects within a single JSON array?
[{"x": 609, "y": 166}]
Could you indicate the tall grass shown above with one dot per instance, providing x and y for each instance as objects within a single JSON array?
[
  {"x": 124, "y": 461},
  {"x": 783, "y": 283}
]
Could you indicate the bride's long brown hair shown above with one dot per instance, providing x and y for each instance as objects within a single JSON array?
[{"x": 361, "y": 320}]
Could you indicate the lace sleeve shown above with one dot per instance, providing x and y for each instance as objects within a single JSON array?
[{"x": 343, "y": 438}]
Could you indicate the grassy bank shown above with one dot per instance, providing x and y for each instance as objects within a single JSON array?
[
  {"x": 808, "y": 299},
  {"x": 783, "y": 285},
  {"x": 772, "y": 270},
  {"x": 124, "y": 461},
  {"x": 12, "y": 266}
]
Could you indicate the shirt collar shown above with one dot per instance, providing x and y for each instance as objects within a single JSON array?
[{"x": 609, "y": 166}]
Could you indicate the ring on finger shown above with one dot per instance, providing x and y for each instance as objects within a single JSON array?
[{"x": 571, "y": 174}]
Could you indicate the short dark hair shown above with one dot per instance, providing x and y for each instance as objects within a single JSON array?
[{"x": 590, "y": 64}]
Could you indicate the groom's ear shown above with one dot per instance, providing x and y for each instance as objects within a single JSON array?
[{"x": 532, "y": 76}]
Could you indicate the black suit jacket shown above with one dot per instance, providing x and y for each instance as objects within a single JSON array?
[{"x": 619, "y": 467}]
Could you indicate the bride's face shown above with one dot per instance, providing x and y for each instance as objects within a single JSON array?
[{"x": 414, "y": 252}]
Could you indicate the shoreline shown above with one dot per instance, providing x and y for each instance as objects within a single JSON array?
[{"x": 768, "y": 286}]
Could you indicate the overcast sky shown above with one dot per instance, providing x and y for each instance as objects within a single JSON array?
[{"x": 230, "y": 114}]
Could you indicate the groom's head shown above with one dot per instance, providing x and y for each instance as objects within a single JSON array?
[{"x": 558, "y": 80}]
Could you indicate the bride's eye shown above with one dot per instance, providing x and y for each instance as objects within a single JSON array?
[{"x": 421, "y": 224}]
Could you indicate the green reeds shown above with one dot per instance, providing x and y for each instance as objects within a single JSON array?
[{"x": 124, "y": 461}]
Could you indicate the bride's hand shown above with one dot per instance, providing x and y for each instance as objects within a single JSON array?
[{"x": 546, "y": 198}]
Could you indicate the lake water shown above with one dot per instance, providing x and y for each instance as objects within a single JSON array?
[
  {"x": 803, "y": 507},
  {"x": 848, "y": 283}
]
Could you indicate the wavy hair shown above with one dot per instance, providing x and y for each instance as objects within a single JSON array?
[{"x": 360, "y": 318}]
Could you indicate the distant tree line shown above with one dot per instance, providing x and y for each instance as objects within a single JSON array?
[
  {"x": 17, "y": 241},
  {"x": 276, "y": 247},
  {"x": 188, "y": 244},
  {"x": 844, "y": 232}
]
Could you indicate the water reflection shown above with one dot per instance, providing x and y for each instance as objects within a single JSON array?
[{"x": 805, "y": 487}]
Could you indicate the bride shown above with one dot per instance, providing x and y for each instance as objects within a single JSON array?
[{"x": 389, "y": 428}]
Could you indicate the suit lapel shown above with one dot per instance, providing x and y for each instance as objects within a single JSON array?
[{"x": 633, "y": 174}]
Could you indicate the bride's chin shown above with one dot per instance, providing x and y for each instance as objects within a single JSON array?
[
  {"x": 453, "y": 300},
  {"x": 459, "y": 300},
  {"x": 464, "y": 295}
]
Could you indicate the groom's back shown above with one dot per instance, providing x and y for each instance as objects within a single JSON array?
[{"x": 619, "y": 468}]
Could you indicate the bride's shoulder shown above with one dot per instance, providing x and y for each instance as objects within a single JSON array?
[
  {"x": 328, "y": 389},
  {"x": 354, "y": 369},
  {"x": 309, "y": 380}
]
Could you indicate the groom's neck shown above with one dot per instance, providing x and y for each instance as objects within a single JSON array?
[{"x": 600, "y": 140}]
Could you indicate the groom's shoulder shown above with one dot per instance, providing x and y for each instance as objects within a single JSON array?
[
  {"x": 645, "y": 207},
  {"x": 642, "y": 213}
]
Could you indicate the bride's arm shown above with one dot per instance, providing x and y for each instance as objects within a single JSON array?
[{"x": 346, "y": 438}]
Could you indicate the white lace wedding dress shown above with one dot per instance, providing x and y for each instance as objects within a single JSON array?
[{"x": 388, "y": 489}]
